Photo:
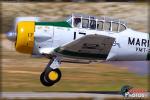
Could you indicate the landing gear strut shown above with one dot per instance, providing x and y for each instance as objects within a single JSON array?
[{"x": 51, "y": 74}]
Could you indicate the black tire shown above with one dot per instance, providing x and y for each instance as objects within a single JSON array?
[
  {"x": 44, "y": 81},
  {"x": 57, "y": 71}
]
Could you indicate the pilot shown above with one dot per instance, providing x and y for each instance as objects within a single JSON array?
[
  {"x": 77, "y": 22},
  {"x": 92, "y": 24}
]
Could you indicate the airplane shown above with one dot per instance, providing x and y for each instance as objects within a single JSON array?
[{"x": 79, "y": 36}]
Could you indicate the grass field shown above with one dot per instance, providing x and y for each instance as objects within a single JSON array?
[
  {"x": 93, "y": 77},
  {"x": 136, "y": 14}
]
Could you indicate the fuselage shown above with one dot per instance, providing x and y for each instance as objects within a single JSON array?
[
  {"x": 128, "y": 45},
  {"x": 45, "y": 38}
]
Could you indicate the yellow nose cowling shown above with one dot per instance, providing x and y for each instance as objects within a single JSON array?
[{"x": 25, "y": 36}]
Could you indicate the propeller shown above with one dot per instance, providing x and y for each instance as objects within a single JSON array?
[{"x": 12, "y": 35}]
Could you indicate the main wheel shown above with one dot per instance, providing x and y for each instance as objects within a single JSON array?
[
  {"x": 53, "y": 75},
  {"x": 44, "y": 81}
]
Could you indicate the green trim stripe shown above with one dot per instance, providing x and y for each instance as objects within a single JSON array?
[
  {"x": 77, "y": 54},
  {"x": 60, "y": 24}
]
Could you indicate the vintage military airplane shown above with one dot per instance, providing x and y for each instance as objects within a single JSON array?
[{"x": 79, "y": 36}]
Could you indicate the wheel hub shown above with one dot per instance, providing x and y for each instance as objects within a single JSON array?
[{"x": 53, "y": 75}]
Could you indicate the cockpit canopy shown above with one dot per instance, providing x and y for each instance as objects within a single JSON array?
[{"x": 96, "y": 23}]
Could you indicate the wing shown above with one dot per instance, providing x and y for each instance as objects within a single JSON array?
[{"x": 89, "y": 46}]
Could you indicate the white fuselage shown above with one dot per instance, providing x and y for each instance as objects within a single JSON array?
[{"x": 128, "y": 45}]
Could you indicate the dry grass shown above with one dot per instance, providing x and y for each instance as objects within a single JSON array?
[
  {"x": 20, "y": 72},
  {"x": 136, "y": 14}
]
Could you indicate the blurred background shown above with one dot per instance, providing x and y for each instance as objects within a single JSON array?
[
  {"x": 136, "y": 14},
  {"x": 20, "y": 72},
  {"x": 83, "y": 0}
]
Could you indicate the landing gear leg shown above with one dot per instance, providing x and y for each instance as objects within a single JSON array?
[{"x": 51, "y": 74}]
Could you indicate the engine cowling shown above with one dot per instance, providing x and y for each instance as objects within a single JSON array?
[{"x": 25, "y": 36}]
